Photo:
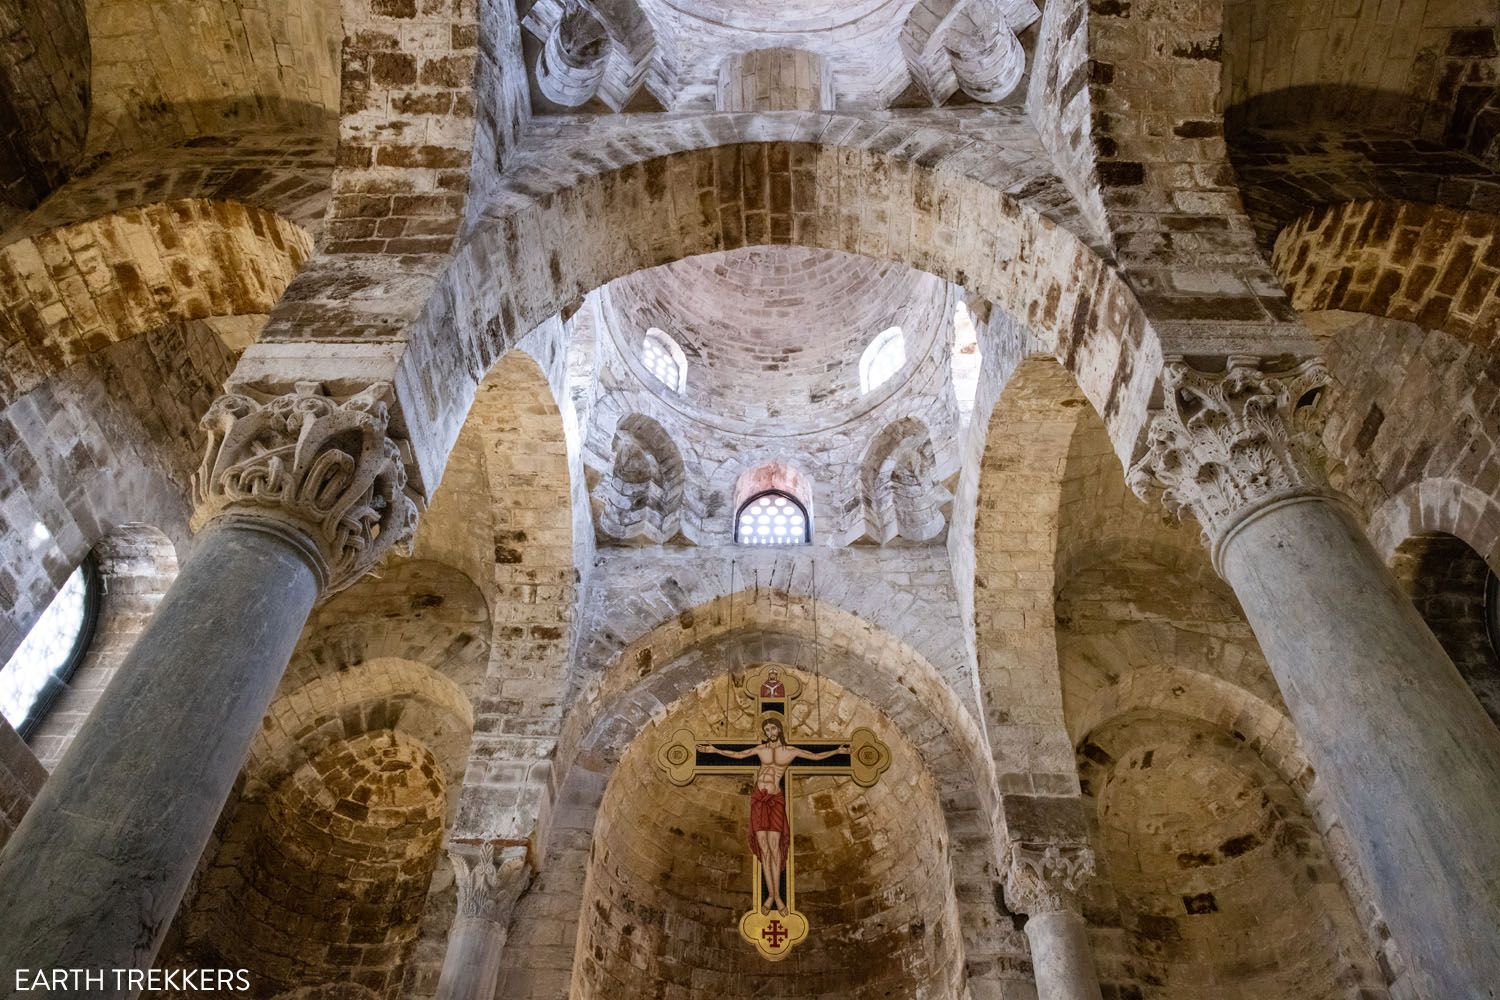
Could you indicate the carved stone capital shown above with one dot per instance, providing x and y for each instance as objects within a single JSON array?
[
  {"x": 488, "y": 887},
  {"x": 1046, "y": 878},
  {"x": 303, "y": 465},
  {"x": 1223, "y": 442}
]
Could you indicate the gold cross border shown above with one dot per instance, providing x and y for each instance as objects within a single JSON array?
[{"x": 869, "y": 758}]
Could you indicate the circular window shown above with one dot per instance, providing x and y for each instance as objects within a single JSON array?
[
  {"x": 41, "y": 666},
  {"x": 772, "y": 518}
]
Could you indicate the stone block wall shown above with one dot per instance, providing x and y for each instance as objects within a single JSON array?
[
  {"x": 136, "y": 565},
  {"x": 110, "y": 442},
  {"x": 21, "y": 777}
]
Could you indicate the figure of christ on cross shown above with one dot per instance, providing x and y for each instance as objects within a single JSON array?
[{"x": 769, "y": 831}]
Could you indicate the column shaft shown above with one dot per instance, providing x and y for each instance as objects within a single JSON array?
[
  {"x": 471, "y": 967},
  {"x": 1409, "y": 757},
  {"x": 1061, "y": 958},
  {"x": 94, "y": 874}
]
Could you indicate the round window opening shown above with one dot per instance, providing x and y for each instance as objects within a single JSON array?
[
  {"x": 41, "y": 666},
  {"x": 772, "y": 518}
]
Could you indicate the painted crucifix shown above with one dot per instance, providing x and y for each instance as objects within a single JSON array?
[{"x": 773, "y": 924}]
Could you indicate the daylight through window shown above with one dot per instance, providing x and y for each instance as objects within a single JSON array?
[
  {"x": 664, "y": 359},
  {"x": 883, "y": 358},
  {"x": 772, "y": 519},
  {"x": 42, "y": 663}
]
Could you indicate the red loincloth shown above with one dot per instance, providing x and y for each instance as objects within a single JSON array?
[{"x": 767, "y": 812}]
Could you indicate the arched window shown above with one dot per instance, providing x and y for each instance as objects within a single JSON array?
[
  {"x": 772, "y": 518},
  {"x": 966, "y": 361},
  {"x": 51, "y": 651},
  {"x": 882, "y": 359},
  {"x": 664, "y": 359}
]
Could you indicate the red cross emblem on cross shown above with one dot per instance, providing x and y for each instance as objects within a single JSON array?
[{"x": 775, "y": 933}]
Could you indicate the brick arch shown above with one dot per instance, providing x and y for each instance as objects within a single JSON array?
[
  {"x": 525, "y": 264},
  {"x": 1434, "y": 266},
  {"x": 68, "y": 293}
]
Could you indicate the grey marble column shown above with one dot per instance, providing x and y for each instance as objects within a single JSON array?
[
  {"x": 488, "y": 888},
  {"x": 297, "y": 496},
  {"x": 1410, "y": 758},
  {"x": 1042, "y": 881}
]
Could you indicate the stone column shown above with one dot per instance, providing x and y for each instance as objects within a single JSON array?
[
  {"x": 488, "y": 888},
  {"x": 297, "y": 496},
  {"x": 1410, "y": 759},
  {"x": 1042, "y": 881}
]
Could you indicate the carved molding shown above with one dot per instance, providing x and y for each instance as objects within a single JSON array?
[
  {"x": 1225, "y": 441},
  {"x": 307, "y": 464},
  {"x": 1046, "y": 878},
  {"x": 488, "y": 887}
]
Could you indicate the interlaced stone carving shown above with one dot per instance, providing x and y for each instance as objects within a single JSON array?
[
  {"x": 1046, "y": 878},
  {"x": 1224, "y": 441},
  {"x": 489, "y": 887},
  {"x": 327, "y": 469}
]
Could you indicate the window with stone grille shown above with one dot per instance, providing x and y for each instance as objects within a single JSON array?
[
  {"x": 885, "y": 356},
  {"x": 40, "y": 667},
  {"x": 664, "y": 359},
  {"x": 772, "y": 518}
]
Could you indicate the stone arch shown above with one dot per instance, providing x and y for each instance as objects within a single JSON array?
[
  {"x": 1018, "y": 488},
  {"x": 515, "y": 513},
  {"x": 676, "y": 656},
  {"x": 419, "y": 609},
  {"x": 68, "y": 293},
  {"x": 904, "y": 493},
  {"x": 871, "y": 874},
  {"x": 1410, "y": 425},
  {"x": 319, "y": 869},
  {"x": 1325, "y": 110},
  {"x": 705, "y": 200},
  {"x": 274, "y": 66},
  {"x": 1427, "y": 264},
  {"x": 1455, "y": 592},
  {"x": 44, "y": 99},
  {"x": 1433, "y": 506},
  {"x": 108, "y": 442},
  {"x": 639, "y": 496},
  {"x": 384, "y": 693},
  {"x": 136, "y": 564},
  {"x": 1210, "y": 867}
]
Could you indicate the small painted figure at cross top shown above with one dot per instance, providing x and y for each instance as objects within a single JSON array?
[
  {"x": 772, "y": 687},
  {"x": 769, "y": 831}
]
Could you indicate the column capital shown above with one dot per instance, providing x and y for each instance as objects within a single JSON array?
[
  {"x": 326, "y": 473},
  {"x": 488, "y": 887},
  {"x": 1046, "y": 878},
  {"x": 1224, "y": 442}
]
